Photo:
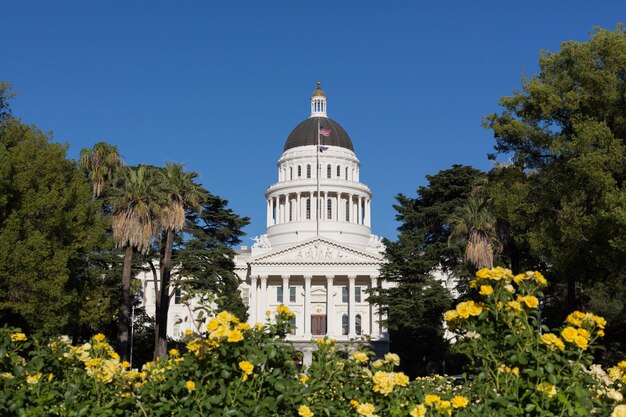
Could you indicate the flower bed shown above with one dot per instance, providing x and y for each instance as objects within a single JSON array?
[{"x": 520, "y": 368}]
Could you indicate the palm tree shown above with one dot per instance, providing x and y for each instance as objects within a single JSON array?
[
  {"x": 135, "y": 206},
  {"x": 475, "y": 223},
  {"x": 183, "y": 195},
  {"x": 101, "y": 162}
]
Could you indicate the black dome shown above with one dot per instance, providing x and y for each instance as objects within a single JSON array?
[{"x": 306, "y": 134}]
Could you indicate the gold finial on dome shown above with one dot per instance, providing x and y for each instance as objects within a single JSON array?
[{"x": 318, "y": 91}]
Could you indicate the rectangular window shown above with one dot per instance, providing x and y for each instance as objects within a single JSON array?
[
  {"x": 338, "y": 171},
  {"x": 357, "y": 294},
  {"x": 344, "y": 294},
  {"x": 177, "y": 295},
  {"x": 292, "y": 294},
  {"x": 279, "y": 294}
]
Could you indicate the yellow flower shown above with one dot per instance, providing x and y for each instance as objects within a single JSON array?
[
  {"x": 442, "y": 405},
  {"x": 303, "y": 379},
  {"x": 247, "y": 369},
  {"x": 213, "y": 324},
  {"x": 474, "y": 309},
  {"x": 462, "y": 310},
  {"x": 34, "y": 378},
  {"x": 235, "y": 336},
  {"x": 125, "y": 364},
  {"x": 244, "y": 327},
  {"x": 431, "y": 399},
  {"x": 366, "y": 409},
  {"x": 531, "y": 301},
  {"x": 619, "y": 411},
  {"x": 392, "y": 358},
  {"x": 354, "y": 403},
  {"x": 540, "y": 278},
  {"x": 190, "y": 385},
  {"x": 18, "y": 337},
  {"x": 377, "y": 363},
  {"x": 418, "y": 411},
  {"x": 569, "y": 334},
  {"x": 482, "y": 273},
  {"x": 486, "y": 290},
  {"x": 6, "y": 375},
  {"x": 459, "y": 401},
  {"x": 513, "y": 306},
  {"x": 546, "y": 388},
  {"x": 99, "y": 337},
  {"x": 515, "y": 371},
  {"x": 225, "y": 317},
  {"x": 519, "y": 278},
  {"x": 188, "y": 332},
  {"x": 622, "y": 365},
  {"x": 50, "y": 377},
  {"x": 304, "y": 411},
  {"x": 450, "y": 315},
  {"x": 359, "y": 356},
  {"x": 174, "y": 352},
  {"x": 268, "y": 313},
  {"x": 383, "y": 382},
  {"x": 600, "y": 333},
  {"x": 581, "y": 342},
  {"x": 401, "y": 379}
]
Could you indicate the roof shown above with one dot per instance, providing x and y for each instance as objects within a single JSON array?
[{"x": 306, "y": 134}]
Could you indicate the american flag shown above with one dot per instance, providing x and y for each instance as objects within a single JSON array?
[{"x": 324, "y": 131}]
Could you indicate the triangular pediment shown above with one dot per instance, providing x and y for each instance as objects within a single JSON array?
[{"x": 317, "y": 251}]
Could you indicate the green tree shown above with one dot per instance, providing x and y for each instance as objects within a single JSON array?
[
  {"x": 136, "y": 202},
  {"x": 101, "y": 164},
  {"x": 183, "y": 195},
  {"x": 415, "y": 306},
  {"x": 474, "y": 224},
  {"x": 564, "y": 192},
  {"x": 48, "y": 226}
]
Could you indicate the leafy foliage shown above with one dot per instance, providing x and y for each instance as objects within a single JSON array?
[
  {"x": 48, "y": 226},
  {"x": 415, "y": 305},
  {"x": 563, "y": 196}
]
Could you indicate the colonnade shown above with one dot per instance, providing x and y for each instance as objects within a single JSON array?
[
  {"x": 260, "y": 303},
  {"x": 301, "y": 206}
]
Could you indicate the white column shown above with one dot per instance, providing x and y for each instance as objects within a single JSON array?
[
  {"x": 351, "y": 307},
  {"x": 324, "y": 205},
  {"x": 285, "y": 289},
  {"x": 330, "y": 306},
  {"x": 298, "y": 207},
  {"x": 368, "y": 215},
  {"x": 253, "y": 307},
  {"x": 275, "y": 209},
  {"x": 359, "y": 210},
  {"x": 269, "y": 210},
  {"x": 337, "y": 200},
  {"x": 313, "y": 206},
  {"x": 374, "y": 330},
  {"x": 307, "y": 306},
  {"x": 263, "y": 296},
  {"x": 350, "y": 211}
]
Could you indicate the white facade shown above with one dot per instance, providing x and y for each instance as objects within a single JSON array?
[{"x": 318, "y": 256}]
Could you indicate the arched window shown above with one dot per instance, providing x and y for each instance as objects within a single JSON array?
[
  {"x": 329, "y": 209},
  {"x": 357, "y": 324},
  {"x": 346, "y": 173},
  {"x": 308, "y": 209},
  {"x": 308, "y": 171},
  {"x": 299, "y": 171},
  {"x": 344, "y": 324},
  {"x": 290, "y": 173},
  {"x": 338, "y": 171},
  {"x": 328, "y": 171}
]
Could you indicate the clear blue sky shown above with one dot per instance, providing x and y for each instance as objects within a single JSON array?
[{"x": 218, "y": 86}]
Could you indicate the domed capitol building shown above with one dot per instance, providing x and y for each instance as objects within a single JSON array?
[{"x": 318, "y": 255}]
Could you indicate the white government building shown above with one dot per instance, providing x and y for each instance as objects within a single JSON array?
[{"x": 318, "y": 255}]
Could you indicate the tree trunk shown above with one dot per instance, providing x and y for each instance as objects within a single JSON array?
[
  {"x": 123, "y": 324},
  {"x": 160, "y": 348}
]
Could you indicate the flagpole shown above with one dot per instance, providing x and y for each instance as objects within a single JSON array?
[{"x": 317, "y": 200}]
